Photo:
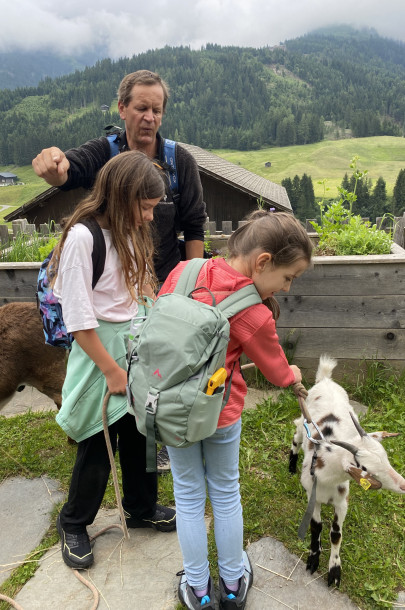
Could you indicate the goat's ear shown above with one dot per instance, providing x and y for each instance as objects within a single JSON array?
[
  {"x": 365, "y": 480},
  {"x": 380, "y": 436}
]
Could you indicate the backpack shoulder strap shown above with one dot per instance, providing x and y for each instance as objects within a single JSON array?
[
  {"x": 238, "y": 301},
  {"x": 99, "y": 250},
  {"x": 169, "y": 157},
  {"x": 113, "y": 140},
  {"x": 188, "y": 278}
]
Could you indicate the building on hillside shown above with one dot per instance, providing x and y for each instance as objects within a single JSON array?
[
  {"x": 7, "y": 178},
  {"x": 230, "y": 193}
]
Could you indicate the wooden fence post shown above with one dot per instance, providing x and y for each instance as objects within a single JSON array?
[
  {"x": 399, "y": 225},
  {"x": 227, "y": 227},
  {"x": 4, "y": 235},
  {"x": 241, "y": 223},
  {"x": 18, "y": 225},
  {"x": 212, "y": 227}
]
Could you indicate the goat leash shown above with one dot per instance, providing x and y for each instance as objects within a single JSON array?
[{"x": 306, "y": 520}]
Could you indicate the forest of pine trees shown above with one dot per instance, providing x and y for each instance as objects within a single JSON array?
[
  {"x": 372, "y": 200},
  {"x": 224, "y": 97}
]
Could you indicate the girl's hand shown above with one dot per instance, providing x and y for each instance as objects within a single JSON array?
[
  {"x": 116, "y": 380},
  {"x": 297, "y": 373}
]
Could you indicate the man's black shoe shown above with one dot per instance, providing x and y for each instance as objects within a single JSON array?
[
  {"x": 76, "y": 550},
  {"x": 164, "y": 520}
]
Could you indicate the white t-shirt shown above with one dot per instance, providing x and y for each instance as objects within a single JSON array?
[{"x": 82, "y": 306}]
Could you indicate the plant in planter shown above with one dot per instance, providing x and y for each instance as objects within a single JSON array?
[
  {"x": 343, "y": 233},
  {"x": 29, "y": 248}
]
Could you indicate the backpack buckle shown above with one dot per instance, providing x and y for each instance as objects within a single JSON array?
[{"x": 151, "y": 403}]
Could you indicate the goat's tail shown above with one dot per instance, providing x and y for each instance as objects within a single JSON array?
[{"x": 325, "y": 368}]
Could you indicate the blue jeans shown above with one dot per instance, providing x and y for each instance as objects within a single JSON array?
[{"x": 213, "y": 462}]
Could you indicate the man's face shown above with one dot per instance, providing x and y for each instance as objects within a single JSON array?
[{"x": 143, "y": 115}]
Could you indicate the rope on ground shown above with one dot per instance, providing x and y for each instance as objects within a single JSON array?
[
  {"x": 93, "y": 589},
  {"x": 11, "y": 602}
]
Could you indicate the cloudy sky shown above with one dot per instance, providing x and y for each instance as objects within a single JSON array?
[{"x": 135, "y": 26}]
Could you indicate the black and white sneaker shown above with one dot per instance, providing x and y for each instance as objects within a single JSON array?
[
  {"x": 230, "y": 600},
  {"x": 164, "y": 519},
  {"x": 189, "y": 599},
  {"x": 76, "y": 550},
  {"x": 163, "y": 461}
]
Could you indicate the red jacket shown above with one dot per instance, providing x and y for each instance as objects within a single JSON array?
[{"x": 252, "y": 331}]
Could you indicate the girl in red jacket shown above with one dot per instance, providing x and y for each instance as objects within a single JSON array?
[{"x": 270, "y": 251}]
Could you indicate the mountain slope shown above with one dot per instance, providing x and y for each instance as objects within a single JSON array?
[{"x": 226, "y": 97}]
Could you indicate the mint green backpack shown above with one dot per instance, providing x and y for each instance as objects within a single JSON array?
[{"x": 175, "y": 348}]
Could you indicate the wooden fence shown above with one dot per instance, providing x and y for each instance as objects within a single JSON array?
[{"x": 351, "y": 307}]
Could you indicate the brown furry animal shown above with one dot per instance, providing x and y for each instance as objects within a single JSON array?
[{"x": 25, "y": 358}]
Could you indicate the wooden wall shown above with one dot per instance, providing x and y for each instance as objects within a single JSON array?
[
  {"x": 350, "y": 307},
  {"x": 224, "y": 202},
  {"x": 18, "y": 282},
  {"x": 61, "y": 204}
]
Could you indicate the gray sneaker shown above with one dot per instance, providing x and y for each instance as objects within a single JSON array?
[
  {"x": 232, "y": 601},
  {"x": 189, "y": 599}
]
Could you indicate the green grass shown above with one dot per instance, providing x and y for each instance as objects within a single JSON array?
[
  {"x": 382, "y": 156},
  {"x": 13, "y": 197},
  {"x": 373, "y": 547}
]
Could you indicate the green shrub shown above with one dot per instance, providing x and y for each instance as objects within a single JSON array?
[{"x": 342, "y": 233}]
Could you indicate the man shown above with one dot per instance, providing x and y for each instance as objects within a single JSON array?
[{"x": 142, "y": 99}]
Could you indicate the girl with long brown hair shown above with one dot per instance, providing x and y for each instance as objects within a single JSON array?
[{"x": 125, "y": 193}]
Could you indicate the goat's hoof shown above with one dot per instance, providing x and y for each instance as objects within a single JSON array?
[
  {"x": 313, "y": 562},
  {"x": 334, "y": 575}
]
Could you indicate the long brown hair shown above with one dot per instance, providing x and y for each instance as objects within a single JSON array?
[
  {"x": 278, "y": 233},
  {"x": 120, "y": 186}
]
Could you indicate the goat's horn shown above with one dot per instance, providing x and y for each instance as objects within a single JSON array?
[
  {"x": 357, "y": 425},
  {"x": 352, "y": 448}
]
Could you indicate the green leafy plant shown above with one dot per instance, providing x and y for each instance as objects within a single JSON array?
[
  {"x": 29, "y": 248},
  {"x": 341, "y": 232}
]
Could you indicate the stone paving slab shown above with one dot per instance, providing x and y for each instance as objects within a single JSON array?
[
  {"x": 29, "y": 399},
  {"x": 130, "y": 574},
  {"x": 140, "y": 574},
  {"x": 25, "y": 509}
]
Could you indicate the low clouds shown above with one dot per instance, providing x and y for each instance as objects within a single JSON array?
[{"x": 76, "y": 27}]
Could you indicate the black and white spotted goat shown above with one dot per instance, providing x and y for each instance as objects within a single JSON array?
[{"x": 339, "y": 451}]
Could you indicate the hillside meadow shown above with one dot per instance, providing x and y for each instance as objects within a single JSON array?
[
  {"x": 381, "y": 156},
  {"x": 12, "y": 197}
]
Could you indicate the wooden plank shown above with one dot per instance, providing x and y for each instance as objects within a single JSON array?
[
  {"x": 347, "y": 369},
  {"x": 341, "y": 311},
  {"x": 18, "y": 284},
  {"x": 352, "y": 343},
  {"x": 341, "y": 280}
]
